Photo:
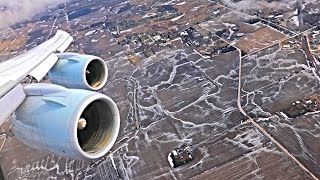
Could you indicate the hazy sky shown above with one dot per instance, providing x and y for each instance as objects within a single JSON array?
[{"x": 13, "y": 11}]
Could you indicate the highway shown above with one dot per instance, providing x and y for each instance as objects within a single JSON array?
[{"x": 265, "y": 132}]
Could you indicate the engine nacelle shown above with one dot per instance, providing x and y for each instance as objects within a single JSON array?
[
  {"x": 73, "y": 123},
  {"x": 79, "y": 71}
]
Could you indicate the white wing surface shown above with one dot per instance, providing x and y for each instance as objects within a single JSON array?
[{"x": 36, "y": 62}]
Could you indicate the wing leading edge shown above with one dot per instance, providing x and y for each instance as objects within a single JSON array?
[{"x": 36, "y": 62}]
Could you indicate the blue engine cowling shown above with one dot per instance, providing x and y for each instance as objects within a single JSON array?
[
  {"x": 49, "y": 119},
  {"x": 79, "y": 71}
]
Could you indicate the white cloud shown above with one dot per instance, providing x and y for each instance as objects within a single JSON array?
[{"x": 13, "y": 11}]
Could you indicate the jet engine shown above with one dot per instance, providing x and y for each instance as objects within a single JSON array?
[
  {"x": 78, "y": 124},
  {"x": 79, "y": 71}
]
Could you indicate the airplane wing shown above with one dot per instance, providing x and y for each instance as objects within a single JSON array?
[
  {"x": 14, "y": 70},
  {"x": 35, "y": 62},
  {"x": 77, "y": 123}
]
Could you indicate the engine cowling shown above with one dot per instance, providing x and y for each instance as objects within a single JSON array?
[
  {"x": 73, "y": 123},
  {"x": 79, "y": 71}
]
